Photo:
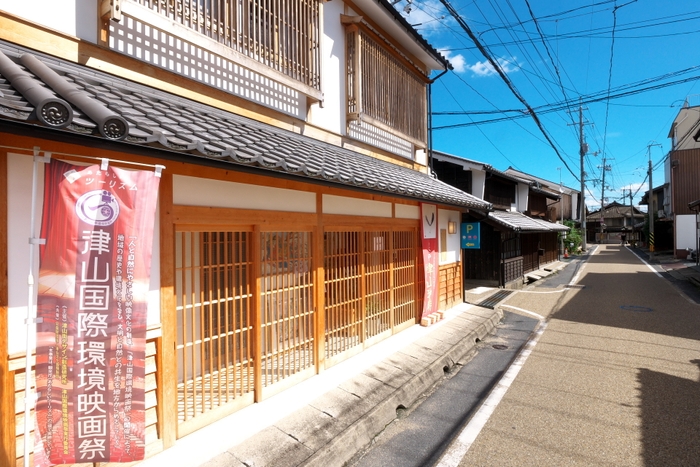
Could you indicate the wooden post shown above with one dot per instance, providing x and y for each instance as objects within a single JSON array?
[
  {"x": 318, "y": 259},
  {"x": 257, "y": 317},
  {"x": 165, "y": 351},
  {"x": 7, "y": 383}
]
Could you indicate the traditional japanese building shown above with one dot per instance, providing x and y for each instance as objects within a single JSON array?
[{"x": 293, "y": 142}]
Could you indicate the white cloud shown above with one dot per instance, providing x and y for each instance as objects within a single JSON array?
[
  {"x": 486, "y": 69},
  {"x": 459, "y": 64}
]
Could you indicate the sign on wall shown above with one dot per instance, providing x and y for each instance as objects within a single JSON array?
[
  {"x": 92, "y": 304},
  {"x": 471, "y": 235},
  {"x": 429, "y": 224}
]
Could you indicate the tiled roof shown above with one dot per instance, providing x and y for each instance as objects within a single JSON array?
[
  {"x": 520, "y": 222},
  {"x": 51, "y": 93}
]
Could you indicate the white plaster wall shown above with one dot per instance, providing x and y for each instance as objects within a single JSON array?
[
  {"x": 574, "y": 206},
  {"x": 19, "y": 205},
  {"x": 19, "y": 199},
  {"x": 478, "y": 183},
  {"x": 522, "y": 193},
  {"x": 404, "y": 211},
  {"x": 685, "y": 231},
  {"x": 453, "y": 243},
  {"x": 76, "y": 18},
  {"x": 355, "y": 207},
  {"x": 193, "y": 191},
  {"x": 331, "y": 114}
]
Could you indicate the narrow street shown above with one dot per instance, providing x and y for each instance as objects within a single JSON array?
[{"x": 613, "y": 381}]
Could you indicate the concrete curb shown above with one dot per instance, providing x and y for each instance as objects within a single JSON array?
[
  {"x": 357, "y": 436},
  {"x": 332, "y": 429}
]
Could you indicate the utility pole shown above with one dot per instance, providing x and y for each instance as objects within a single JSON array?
[
  {"x": 650, "y": 200},
  {"x": 561, "y": 211},
  {"x": 631, "y": 218},
  {"x": 602, "y": 198},
  {"x": 583, "y": 149}
]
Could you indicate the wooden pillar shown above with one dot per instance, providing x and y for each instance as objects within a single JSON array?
[
  {"x": 165, "y": 350},
  {"x": 7, "y": 383},
  {"x": 257, "y": 315},
  {"x": 318, "y": 260}
]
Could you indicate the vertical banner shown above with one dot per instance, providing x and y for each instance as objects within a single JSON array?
[
  {"x": 430, "y": 258},
  {"x": 92, "y": 303}
]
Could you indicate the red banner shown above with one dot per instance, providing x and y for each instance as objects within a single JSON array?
[
  {"x": 429, "y": 227},
  {"x": 92, "y": 303}
]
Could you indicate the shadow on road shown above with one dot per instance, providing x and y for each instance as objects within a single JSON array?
[{"x": 669, "y": 406}]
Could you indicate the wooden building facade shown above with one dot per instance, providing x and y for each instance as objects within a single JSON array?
[
  {"x": 516, "y": 237},
  {"x": 288, "y": 226}
]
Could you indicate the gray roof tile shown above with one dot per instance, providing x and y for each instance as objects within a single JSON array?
[
  {"x": 161, "y": 120},
  {"x": 520, "y": 222}
]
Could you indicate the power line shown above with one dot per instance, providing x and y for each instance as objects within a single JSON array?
[{"x": 505, "y": 79}]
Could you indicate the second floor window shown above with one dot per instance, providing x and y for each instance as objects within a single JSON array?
[
  {"x": 282, "y": 34},
  {"x": 383, "y": 89}
]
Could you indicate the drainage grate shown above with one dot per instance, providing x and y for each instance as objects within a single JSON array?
[{"x": 494, "y": 299}]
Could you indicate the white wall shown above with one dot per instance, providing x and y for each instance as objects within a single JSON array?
[
  {"x": 193, "y": 191},
  {"x": 574, "y": 206},
  {"x": 76, "y": 18},
  {"x": 685, "y": 231},
  {"x": 405, "y": 211},
  {"x": 521, "y": 196},
  {"x": 355, "y": 207},
  {"x": 331, "y": 115},
  {"x": 453, "y": 241},
  {"x": 19, "y": 201},
  {"x": 19, "y": 205},
  {"x": 478, "y": 183}
]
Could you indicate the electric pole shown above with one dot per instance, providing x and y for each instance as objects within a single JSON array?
[
  {"x": 583, "y": 149},
  {"x": 650, "y": 200},
  {"x": 602, "y": 198},
  {"x": 631, "y": 218}
]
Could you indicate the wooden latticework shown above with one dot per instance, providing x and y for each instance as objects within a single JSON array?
[
  {"x": 214, "y": 304},
  {"x": 378, "y": 283},
  {"x": 370, "y": 285},
  {"x": 381, "y": 87},
  {"x": 282, "y": 34},
  {"x": 405, "y": 255},
  {"x": 247, "y": 314},
  {"x": 343, "y": 286},
  {"x": 287, "y": 305}
]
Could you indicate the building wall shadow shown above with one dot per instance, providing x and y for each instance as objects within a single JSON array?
[{"x": 670, "y": 416}]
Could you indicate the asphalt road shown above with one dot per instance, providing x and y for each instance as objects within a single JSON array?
[
  {"x": 421, "y": 433},
  {"x": 613, "y": 381}
]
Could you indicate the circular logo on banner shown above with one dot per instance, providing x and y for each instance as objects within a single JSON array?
[{"x": 98, "y": 208}]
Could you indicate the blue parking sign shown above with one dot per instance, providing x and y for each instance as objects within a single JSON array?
[{"x": 471, "y": 235}]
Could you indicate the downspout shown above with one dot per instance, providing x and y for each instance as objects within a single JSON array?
[{"x": 430, "y": 119}]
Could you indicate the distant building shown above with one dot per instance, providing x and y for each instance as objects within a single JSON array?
[
  {"x": 518, "y": 236},
  {"x": 682, "y": 170}
]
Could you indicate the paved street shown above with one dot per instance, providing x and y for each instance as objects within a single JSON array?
[{"x": 613, "y": 381}]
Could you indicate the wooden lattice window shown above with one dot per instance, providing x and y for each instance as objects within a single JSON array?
[
  {"x": 282, "y": 34},
  {"x": 384, "y": 89},
  {"x": 370, "y": 286},
  {"x": 214, "y": 336},
  {"x": 287, "y": 305}
]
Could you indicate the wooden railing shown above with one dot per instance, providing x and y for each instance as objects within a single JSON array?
[{"x": 282, "y": 34}]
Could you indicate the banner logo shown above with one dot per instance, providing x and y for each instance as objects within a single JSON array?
[{"x": 98, "y": 207}]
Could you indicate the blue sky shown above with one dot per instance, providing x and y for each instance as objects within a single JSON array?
[{"x": 626, "y": 49}]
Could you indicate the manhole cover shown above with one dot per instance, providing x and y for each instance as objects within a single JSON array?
[
  {"x": 499, "y": 346},
  {"x": 638, "y": 309}
]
